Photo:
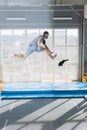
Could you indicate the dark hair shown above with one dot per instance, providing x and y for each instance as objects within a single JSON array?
[{"x": 46, "y": 32}]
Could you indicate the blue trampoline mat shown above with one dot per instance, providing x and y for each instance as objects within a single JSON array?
[
  {"x": 44, "y": 90},
  {"x": 45, "y": 86}
]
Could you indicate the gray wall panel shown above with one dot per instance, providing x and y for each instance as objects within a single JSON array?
[
  {"x": 85, "y": 46},
  {"x": 41, "y": 17},
  {"x": 71, "y": 1},
  {"x": 39, "y": 2}
]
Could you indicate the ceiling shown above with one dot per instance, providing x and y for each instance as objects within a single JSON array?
[{"x": 40, "y": 2}]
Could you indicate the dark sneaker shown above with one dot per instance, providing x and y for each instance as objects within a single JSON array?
[{"x": 62, "y": 62}]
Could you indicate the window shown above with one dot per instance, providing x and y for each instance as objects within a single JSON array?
[
  {"x": 60, "y": 37},
  {"x": 7, "y": 49},
  {"x": 72, "y": 37},
  {"x": 67, "y": 48},
  {"x": 38, "y": 66}
]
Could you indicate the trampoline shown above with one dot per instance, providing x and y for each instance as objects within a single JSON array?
[{"x": 44, "y": 90}]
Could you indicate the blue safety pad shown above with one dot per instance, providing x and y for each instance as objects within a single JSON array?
[
  {"x": 45, "y": 86},
  {"x": 27, "y": 86},
  {"x": 44, "y": 90},
  {"x": 0, "y": 96},
  {"x": 70, "y": 86}
]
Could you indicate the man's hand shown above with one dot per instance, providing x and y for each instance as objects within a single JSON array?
[{"x": 51, "y": 52}]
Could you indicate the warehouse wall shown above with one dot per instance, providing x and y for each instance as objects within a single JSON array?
[
  {"x": 0, "y": 62},
  {"x": 85, "y": 47},
  {"x": 42, "y": 17}
]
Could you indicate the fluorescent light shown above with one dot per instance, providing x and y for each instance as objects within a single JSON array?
[
  {"x": 15, "y": 19},
  {"x": 62, "y": 18}
]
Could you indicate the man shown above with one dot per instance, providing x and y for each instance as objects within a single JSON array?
[{"x": 35, "y": 46}]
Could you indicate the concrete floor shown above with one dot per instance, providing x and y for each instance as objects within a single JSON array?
[{"x": 43, "y": 114}]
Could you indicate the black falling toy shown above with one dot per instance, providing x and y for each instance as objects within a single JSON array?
[{"x": 62, "y": 62}]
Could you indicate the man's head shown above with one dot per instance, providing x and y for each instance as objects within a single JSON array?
[{"x": 46, "y": 34}]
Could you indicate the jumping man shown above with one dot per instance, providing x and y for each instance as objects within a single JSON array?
[{"x": 35, "y": 46}]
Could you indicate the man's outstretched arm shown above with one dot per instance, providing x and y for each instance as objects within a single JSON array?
[
  {"x": 48, "y": 48},
  {"x": 39, "y": 42}
]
